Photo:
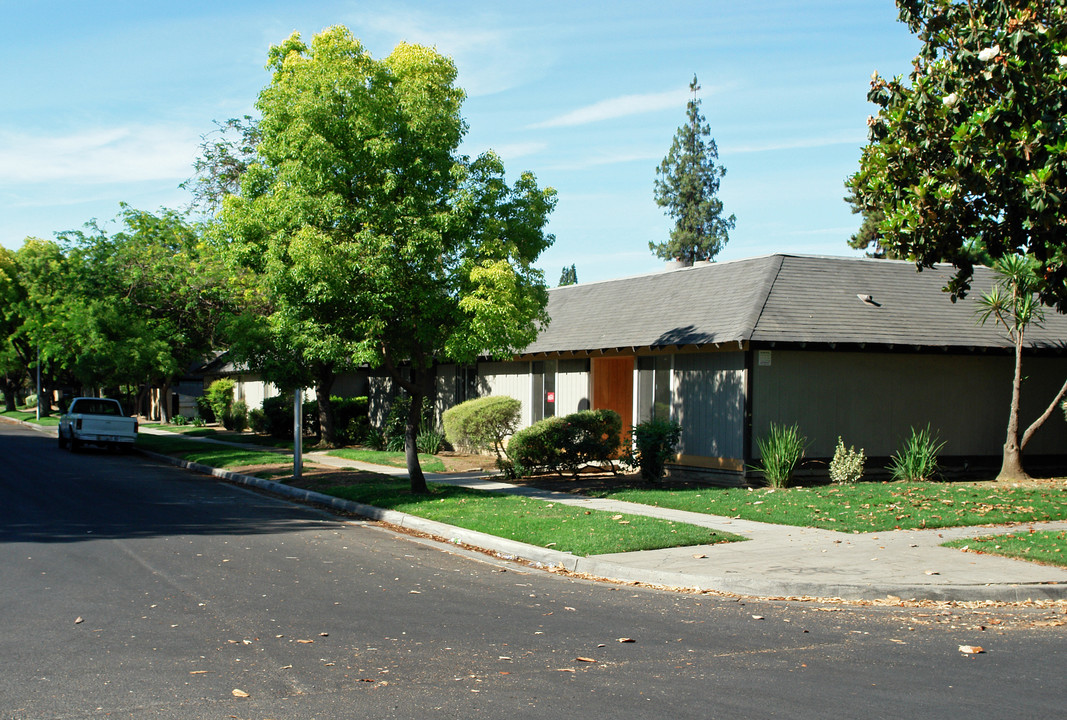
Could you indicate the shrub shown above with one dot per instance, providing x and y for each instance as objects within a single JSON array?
[
  {"x": 236, "y": 418},
  {"x": 257, "y": 420},
  {"x": 374, "y": 439},
  {"x": 847, "y": 465},
  {"x": 31, "y": 400},
  {"x": 482, "y": 424},
  {"x": 566, "y": 443},
  {"x": 350, "y": 417},
  {"x": 429, "y": 440},
  {"x": 198, "y": 421},
  {"x": 653, "y": 443},
  {"x": 780, "y": 450},
  {"x": 179, "y": 420},
  {"x": 204, "y": 411},
  {"x": 220, "y": 397},
  {"x": 917, "y": 457}
]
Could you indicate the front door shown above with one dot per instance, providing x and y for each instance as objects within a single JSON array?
[{"x": 613, "y": 388}]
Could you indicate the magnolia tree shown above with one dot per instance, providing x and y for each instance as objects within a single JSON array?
[
  {"x": 970, "y": 150},
  {"x": 375, "y": 239}
]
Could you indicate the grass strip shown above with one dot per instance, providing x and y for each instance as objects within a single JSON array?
[
  {"x": 553, "y": 525},
  {"x": 429, "y": 463},
  {"x": 868, "y": 507},
  {"x": 219, "y": 456},
  {"x": 1046, "y": 546},
  {"x": 31, "y": 417}
]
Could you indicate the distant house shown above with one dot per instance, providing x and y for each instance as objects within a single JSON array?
[{"x": 860, "y": 348}]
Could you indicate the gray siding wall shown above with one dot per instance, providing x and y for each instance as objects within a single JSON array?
[
  {"x": 873, "y": 399},
  {"x": 572, "y": 390},
  {"x": 507, "y": 378},
  {"x": 709, "y": 402}
]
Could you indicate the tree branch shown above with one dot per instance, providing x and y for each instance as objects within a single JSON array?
[{"x": 1044, "y": 416}]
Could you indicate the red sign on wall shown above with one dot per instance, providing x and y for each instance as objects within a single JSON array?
[{"x": 550, "y": 397}]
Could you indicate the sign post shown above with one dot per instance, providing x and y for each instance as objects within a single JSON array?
[{"x": 298, "y": 430}]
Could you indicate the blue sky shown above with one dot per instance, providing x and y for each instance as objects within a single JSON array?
[{"x": 106, "y": 102}]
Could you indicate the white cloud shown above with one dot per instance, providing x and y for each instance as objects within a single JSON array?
[
  {"x": 490, "y": 58},
  {"x": 849, "y": 138},
  {"x": 618, "y": 107},
  {"x": 106, "y": 155}
]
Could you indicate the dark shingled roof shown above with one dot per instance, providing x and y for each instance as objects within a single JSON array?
[{"x": 781, "y": 299}]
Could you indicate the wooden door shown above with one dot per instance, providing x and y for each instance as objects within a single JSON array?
[{"x": 613, "y": 388}]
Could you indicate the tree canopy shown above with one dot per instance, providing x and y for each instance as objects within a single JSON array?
[
  {"x": 374, "y": 239},
  {"x": 687, "y": 185},
  {"x": 970, "y": 150}
]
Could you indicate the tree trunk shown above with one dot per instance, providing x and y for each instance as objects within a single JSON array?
[
  {"x": 411, "y": 434},
  {"x": 1011, "y": 468},
  {"x": 324, "y": 379},
  {"x": 164, "y": 402},
  {"x": 9, "y": 396}
]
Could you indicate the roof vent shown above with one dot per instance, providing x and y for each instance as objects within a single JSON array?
[{"x": 868, "y": 299}]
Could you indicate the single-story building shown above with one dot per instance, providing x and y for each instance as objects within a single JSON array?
[{"x": 859, "y": 348}]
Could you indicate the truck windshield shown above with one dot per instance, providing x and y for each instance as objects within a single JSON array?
[{"x": 96, "y": 407}]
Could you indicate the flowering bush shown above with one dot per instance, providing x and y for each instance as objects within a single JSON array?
[{"x": 847, "y": 465}]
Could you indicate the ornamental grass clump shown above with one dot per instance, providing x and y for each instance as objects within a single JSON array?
[
  {"x": 847, "y": 465},
  {"x": 917, "y": 458},
  {"x": 780, "y": 451}
]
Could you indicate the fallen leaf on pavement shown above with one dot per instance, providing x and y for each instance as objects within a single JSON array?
[
  {"x": 700, "y": 556},
  {"x": 627, "y": 640},
  {"x": 239, "y": 693},
  {"x": 305, "y": 642},
  {"x": 584, "y": 659},
  {"x": 757, "y": 617},
  {"x": 932, "y": 572},
  {"x": 78, "y": 620},
  {"x": 971, "y": 649}
]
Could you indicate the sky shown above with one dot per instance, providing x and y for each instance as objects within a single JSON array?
[{"x": 106, "y": 103}]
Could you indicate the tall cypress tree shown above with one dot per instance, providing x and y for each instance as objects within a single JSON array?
[{"x": 687, "y": 186}]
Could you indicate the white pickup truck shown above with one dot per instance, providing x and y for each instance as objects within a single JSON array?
[{"x": 97, "y": 421}]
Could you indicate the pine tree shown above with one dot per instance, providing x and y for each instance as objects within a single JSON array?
[
  {"x": 569, "y": 276},
  {"x": 687, "y": 186}
]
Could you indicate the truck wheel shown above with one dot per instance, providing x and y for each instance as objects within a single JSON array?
[
  {"x": 62, "y": 441},
  {"x": 75, "y": 444}
]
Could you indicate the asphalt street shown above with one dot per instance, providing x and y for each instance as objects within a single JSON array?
[{"x": 130, "y": 589}]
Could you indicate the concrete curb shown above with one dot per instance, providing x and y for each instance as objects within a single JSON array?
[{"x": 619, "y": 572}]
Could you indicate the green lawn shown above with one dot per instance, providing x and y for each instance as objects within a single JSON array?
[
  {"x": 31, "y": 416},
  {"x": 221, "y": 434},
  {"x": 560, "y": 527},
  {"x": 429, "y": 463},
  {"x": 220, "y": 456},
  {"x": 1048, "y": 546},
  {"x": 867, "y": 507}
]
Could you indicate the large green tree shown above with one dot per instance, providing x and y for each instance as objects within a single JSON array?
[
  {"x": 375, "y": 239},
  {"x": 687, "y": 185},
  {"x": 968, "y": 156},
  {"x": 971, "y": 147}
]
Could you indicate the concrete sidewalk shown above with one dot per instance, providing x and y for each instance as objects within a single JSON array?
[
  {"x": 775, "y": 561},
  {"x": 784, "y": 561}
]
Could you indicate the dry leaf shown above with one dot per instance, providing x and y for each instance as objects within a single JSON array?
[
  {"x": 971, "y": 649},
  {"x": 616, "y": 517},
  {"x": 627, "y": 640},
  {"x": 932, "y": 572},
  {"x": 324, "y": 634},
  {"x": 565, "y": 670},
  {"x": 584, "y": 659},
  {"x": 757, "y": 617},
  {"x": 197, "y": 672},
  {"x": 700, "y": 556},
  {"x": 305, "y": 642},
  {"x": 78, "y": 620},
  {"x": 239, "y": 693}
]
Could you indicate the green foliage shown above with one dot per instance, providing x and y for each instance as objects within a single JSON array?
[
  {"x": 780, "y": 452},
  {"x": 653, "y": 444},
  {"x": 482, "y": 424},
  {"x": 846, "y": 467},
  {"x": 219, "y": 396},
  {"x": 204, "y": 410},
  {"x": 430, "y": 440},
  {"x": 569, "y": 276},
  {"x": 236, "y": 418},
  {"x": 180, "y": 420},
  {"x": 971, "y": 147},
  {"x": 257, "y": 421},
  {"x": 374, "y": 439},
  {"x": 198, "y": 422},
  {"x": 1047, "y": 546},
  {"x": 917, "y": 458},
  {"x": 687, "y": 185},
  {"x": 565, "y": 444}
]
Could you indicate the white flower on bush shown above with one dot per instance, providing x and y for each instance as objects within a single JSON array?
[
  {"x": 1062, "y": 60},
  {"x": 847, "y": 465},
  {"x": 950, "y": 100},
  {"x": 989, "y": 53}
]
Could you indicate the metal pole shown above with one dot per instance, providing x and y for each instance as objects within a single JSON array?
[
  {"x": 298, "y": 430},
  {"x": 38, "y": 380}
]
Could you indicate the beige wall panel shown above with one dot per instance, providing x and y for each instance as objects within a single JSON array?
[{"x": 572, "y": 392}]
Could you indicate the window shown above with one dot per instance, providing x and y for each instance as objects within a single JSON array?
[{"x": 654, "y": 387}]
